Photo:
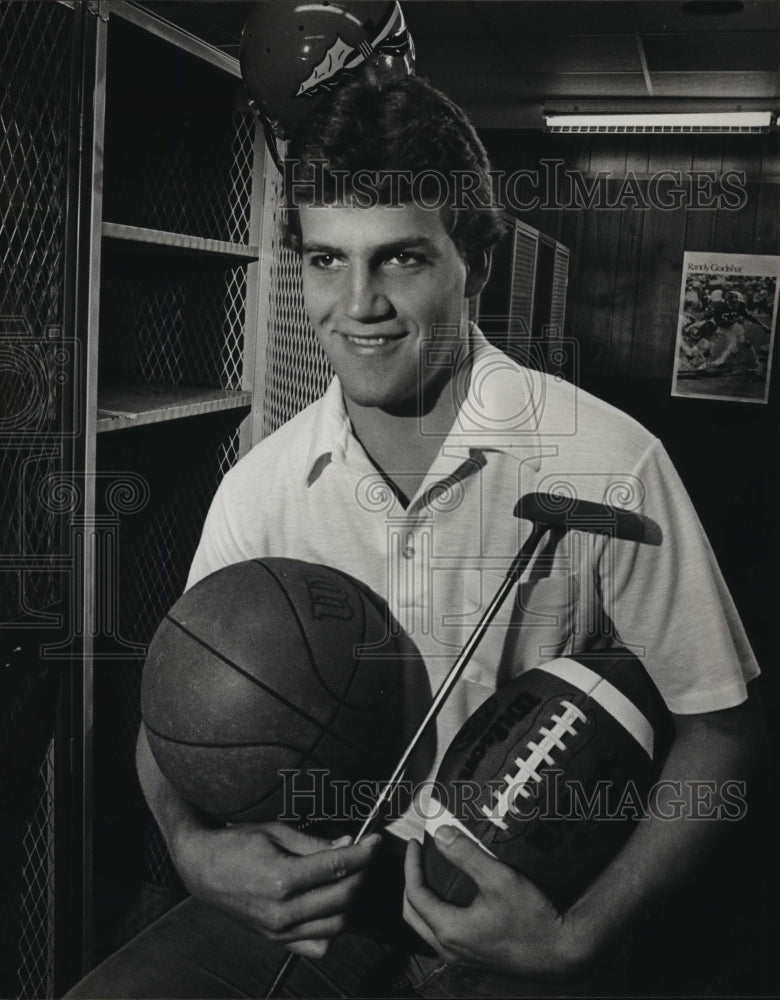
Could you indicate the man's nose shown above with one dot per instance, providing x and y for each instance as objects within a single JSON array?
[{"x": 365, "y": 297}]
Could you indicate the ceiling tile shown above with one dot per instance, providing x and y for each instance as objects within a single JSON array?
[
  {"x": 437, "y": 19},
  {"x": 575, "y": 53},
  {"x": 663, "y": 15},
  {"x": 752, "y": 51},
  {"x": 559, "y": 85},
  {"x": 466, "y": 56},
  {"x": 541, "y": 17},
  {"x": 735, "y": 85}
]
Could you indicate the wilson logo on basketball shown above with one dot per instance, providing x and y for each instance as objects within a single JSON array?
[{"x": 327, "y": 599}]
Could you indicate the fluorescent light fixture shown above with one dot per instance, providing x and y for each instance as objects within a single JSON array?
[{"x": 718, "y": 121}]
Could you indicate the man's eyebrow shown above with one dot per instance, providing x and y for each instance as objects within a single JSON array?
[
  {"x": 320, "y": 248},
  {"x": 407, "y": 243},
  {"x": 381, "y": 249}
]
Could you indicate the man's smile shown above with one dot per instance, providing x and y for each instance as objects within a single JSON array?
[{"x": 372, "y": 343}]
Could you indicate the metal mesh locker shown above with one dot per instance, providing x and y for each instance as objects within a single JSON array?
[
  {"x": 177, "y": 322},
  {"x": 37, "y": 363},
  {"x": 175, "y": 285},
  {"x": 297, "y": 370}
]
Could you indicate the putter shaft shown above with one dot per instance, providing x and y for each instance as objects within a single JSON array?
[{"x": 513, "y": 574}]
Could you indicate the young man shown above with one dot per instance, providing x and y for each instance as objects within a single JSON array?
[{"x": 405, "y": 474}]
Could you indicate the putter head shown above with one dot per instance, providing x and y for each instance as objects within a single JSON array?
[{"x": 571, "y": 514}]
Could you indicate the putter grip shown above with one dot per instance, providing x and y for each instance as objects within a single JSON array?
[{"x": 583, "y": 515}]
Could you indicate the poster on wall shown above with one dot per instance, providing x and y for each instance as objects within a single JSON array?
[{"x": 726, "y": 326}]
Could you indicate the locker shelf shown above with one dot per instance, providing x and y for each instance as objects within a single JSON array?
[
  {"x": 178, "y": 241},
  {"x": 126, "y": 405}
]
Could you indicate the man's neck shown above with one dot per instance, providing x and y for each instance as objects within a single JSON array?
[{"x": 403, "y": 446}]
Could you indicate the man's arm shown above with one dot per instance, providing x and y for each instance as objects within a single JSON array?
[
  {"x": 293, "y": 887},
  {"x": 512, "y": 927}
]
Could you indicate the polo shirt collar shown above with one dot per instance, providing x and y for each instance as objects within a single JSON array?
[
  {"x": 501, "y": 412},
  {"x": 503, "y": 405},
  {"x": 332, "y": 432}
]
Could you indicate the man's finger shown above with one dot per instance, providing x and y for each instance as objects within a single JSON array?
[
  {"x": 321, "y": 902},
  {"x": 294, "y": 841},
  {"x": 330, "y": 865},
  {"x": 320, "y": 930},
  {"x": 488, "y": 874},
  {"x": 309, "y": 949},
  {"x": 416, "y": 922},
  {"x": 417, "y": 896},
  {"x": 424, "y": 907}
]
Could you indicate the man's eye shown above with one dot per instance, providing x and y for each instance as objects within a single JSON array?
[
  {"x": 323, "y": 261},
  {"x": 404, "y": 259}
]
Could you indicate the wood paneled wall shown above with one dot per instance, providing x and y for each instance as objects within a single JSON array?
[{"x": 624, "y": 288}]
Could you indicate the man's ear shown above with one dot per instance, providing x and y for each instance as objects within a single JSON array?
[{"x": 478, "y": 272}]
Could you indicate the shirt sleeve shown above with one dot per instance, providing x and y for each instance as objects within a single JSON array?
[
  {"x": 219, "y": 542},
  {"x": 670, "y": 604}
]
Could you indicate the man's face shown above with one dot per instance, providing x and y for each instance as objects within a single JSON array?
[{"x": 378, "y": 283}]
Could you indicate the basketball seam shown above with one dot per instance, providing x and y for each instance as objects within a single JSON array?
[
  {"x": 216, "y": 746},
  {"x": 229, "y": 746},
  {"x": 258, "y": 683},
  {"x": 309, "y": 754},
  {"x": 280, "y": 784},
  {"x": 356, "y": 660},
  {"x": 366, "y": 596},
  {"x": 337, "y": 698}
]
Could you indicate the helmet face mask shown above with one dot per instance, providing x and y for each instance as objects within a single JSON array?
[{"x": 293, "y": 54}]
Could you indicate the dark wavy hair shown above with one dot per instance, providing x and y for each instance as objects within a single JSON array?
[{"x": 380, "y": 140}]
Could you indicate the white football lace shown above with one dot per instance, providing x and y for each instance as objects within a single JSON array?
[{"x": 527, "y": 773}]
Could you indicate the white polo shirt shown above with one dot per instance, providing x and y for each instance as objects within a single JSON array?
[{"x": 310, "y": 492}]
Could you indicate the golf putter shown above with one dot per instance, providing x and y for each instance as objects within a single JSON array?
[{"x": 545, "y": 511}]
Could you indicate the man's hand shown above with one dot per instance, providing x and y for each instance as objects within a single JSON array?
[
  {"x": 293, "y": 887},
  {"x": 510, "y": 927}
]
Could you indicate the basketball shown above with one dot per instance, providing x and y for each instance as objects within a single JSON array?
[{"x": 270, "y": 685}]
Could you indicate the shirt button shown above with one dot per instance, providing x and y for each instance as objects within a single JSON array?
[{"x": 407, "y": 551}]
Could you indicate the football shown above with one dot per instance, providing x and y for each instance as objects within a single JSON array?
[{"x": 551, "y": 774}]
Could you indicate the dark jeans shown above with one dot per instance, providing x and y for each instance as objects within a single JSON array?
[{"x": 195, "y": 951}]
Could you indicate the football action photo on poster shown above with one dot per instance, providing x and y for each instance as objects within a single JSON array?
[{"x": 726, "y": 326}]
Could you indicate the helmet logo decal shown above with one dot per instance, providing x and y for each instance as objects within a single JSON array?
[
  {"x": 342, "y": 57},
  {"x": 335, "y": 59}
]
